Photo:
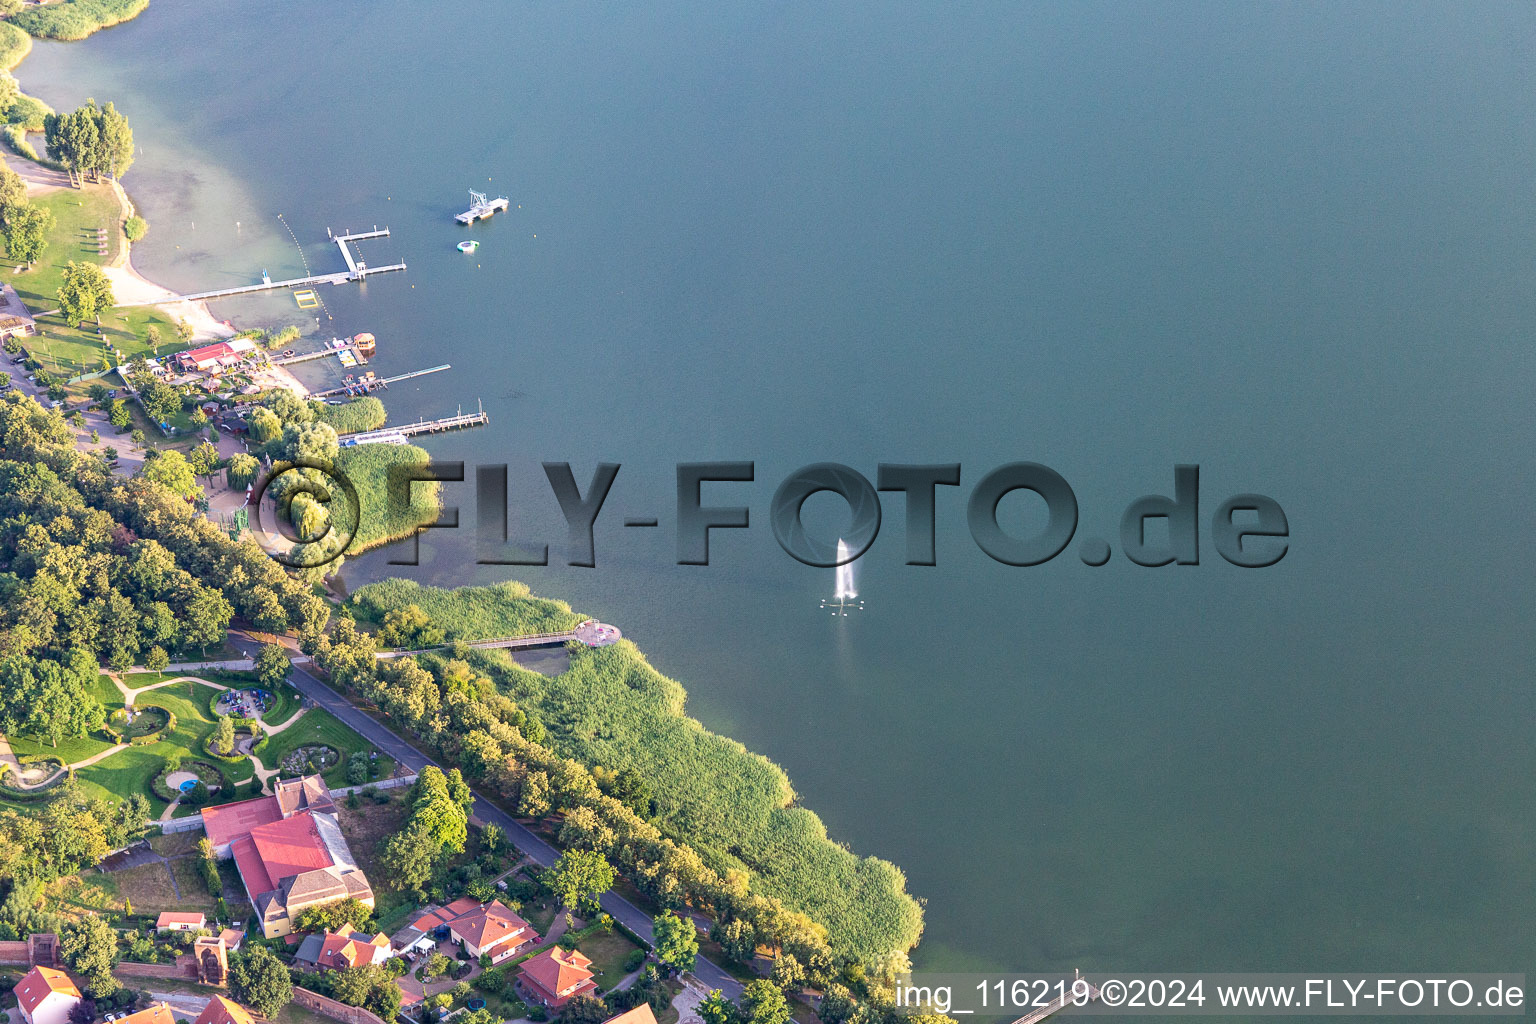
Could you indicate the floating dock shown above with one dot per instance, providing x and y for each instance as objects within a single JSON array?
[
  {"x": 397, "y": 435},
  {"x": 481, "y": 207}
]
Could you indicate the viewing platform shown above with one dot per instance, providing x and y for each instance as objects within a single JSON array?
[{"x": 480, "y": 206}]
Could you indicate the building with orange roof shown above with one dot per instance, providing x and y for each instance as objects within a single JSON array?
[
  {"x": 289, "y": 850},
  {"x": 46, "y": 996},
  {"x": 157, "y": 1013},
  {"x": 641, "y": 1014},
  {"x": 492, "y": 930},
  {"x": 221, "y": 1010},
  {"x": 555, "y": 977}
]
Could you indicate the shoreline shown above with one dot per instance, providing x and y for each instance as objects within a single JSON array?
[{"x": 132, "y": 286}]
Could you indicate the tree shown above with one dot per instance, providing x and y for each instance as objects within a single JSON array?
[
  {"x": 272, "y": 666},
  {"x": 224, "y": 736},
  {"x": 135, "y": 228},
  {"x": 716, "y": 1009},
  {"x": 26, "y": 233},
  {"x": 172, "y": 470},
  {"x": 241, "y": 471},
  {"x": 152, "y": 337},
  {"x": 83, "y": 1012},
  {"x": 676, "y": 941},
  {"x": 90, "y": 949},
  {"x": 763, "y": 1003},
  {"x": 332, "y": 916},
  {"x": 788, "y": 973},
  {"x": 198, "y": 419},
  {"x": 492, "y": 837},
  {"x": 156, "y": 659},
  {"x": 203, "y": 459},
  {"x": 118, "y": 414},
  {"x": 837, "y": 1006},
  {"x": 13, "y": 191},
  {"x": 85, "y": 294},
  {"x": 533, "y": 801},
  {"x": 160, "y": 400},
  {"x": 579, "y": 878},
  {"x": 137, "y": 437},
  {"x": 737, "y": 938},
  {"x": 585, "y": 1010},
  {"x": 184, "y": 332},
  {"x": 409, "y": 856},
  {"x": 260, "y": 980}
]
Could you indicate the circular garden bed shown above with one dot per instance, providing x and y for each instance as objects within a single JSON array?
[
  {"x": 143, "y": 721},
  {"x": 309, "y": 760},
  {"x": 168, "y": 784}
]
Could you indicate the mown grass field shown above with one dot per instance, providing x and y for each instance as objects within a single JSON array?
[
  {"x": 737, "y": 808},
  {"x": 64, "y": 350}
]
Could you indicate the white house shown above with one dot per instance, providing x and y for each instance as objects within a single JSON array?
[{"x": 46, "y": 996}]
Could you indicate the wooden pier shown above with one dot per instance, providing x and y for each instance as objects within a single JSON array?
[
  {"x": 362, "y": 388},
  {"x": 357, "y": 270},
  {"x": 305, "y": 357},
  {"x": 389, "y": 435},
  {"x": 479, "y": 207}
]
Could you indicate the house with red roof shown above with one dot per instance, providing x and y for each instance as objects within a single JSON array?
[
  {"x": 555, "y": 977},
  {"x": 289, "y": 850},
  {"x": 46, "y": 996},
  {"x": 178, "y": 921},
  {"x": 224, "y": 1011},
  {"x": 492, "y": 930},
  {"x": 343, "y": 948}
]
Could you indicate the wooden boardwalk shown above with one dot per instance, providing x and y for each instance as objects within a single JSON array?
[{"x": 590, "y": 633}]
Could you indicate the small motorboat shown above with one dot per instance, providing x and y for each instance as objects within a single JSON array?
[{"x": 469, "y": 246}]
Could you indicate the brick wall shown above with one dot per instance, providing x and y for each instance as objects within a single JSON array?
[
  {"x": 14, "y": 953},
  {"x": 332, "y": 1009},
  {"x": 184, "y": 967}
]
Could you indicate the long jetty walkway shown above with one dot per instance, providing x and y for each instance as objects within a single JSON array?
[
  {"x": 1061, "y": 1002},
  {"x": 458, "y": 422},
  {"x": 363, "y": 387},
  {"x": 357, "y": 270},
  {"x": 590, "y": 633}
]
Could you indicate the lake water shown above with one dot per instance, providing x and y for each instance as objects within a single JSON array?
[{"x": 1290, "y": 243}]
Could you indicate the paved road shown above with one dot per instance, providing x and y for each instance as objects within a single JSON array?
[{"x": 623, "y": 911}]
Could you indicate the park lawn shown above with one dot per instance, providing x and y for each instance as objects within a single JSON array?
[
  {"x": 108, "y": 693},
  {"x": 320, "y": 726},
  {"x": 132, "y": 770},
  {"x": 607, "y": 951},
  {"x": 67, "y": 350},
  {"x": 189, "y": 879},
  {"x": 139, "y": 680},
  {"x": 125, "y": 773},
  {"x": 70, "y": 750}
]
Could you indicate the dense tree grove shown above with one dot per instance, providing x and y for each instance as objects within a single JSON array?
[
  {"x": 438, "y": 827},
  {"x": 258, "y": 979},
  {"x": 91, "y": 142},
  {"x": 97, "y": 569}
]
